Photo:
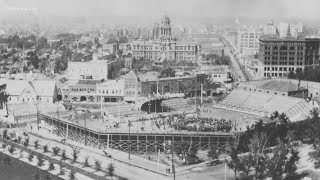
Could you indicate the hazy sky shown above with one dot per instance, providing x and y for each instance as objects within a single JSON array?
[{"x": 208, "y": 8}]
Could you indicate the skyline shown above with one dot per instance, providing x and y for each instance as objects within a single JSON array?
[{"x": 306, "y": 9}]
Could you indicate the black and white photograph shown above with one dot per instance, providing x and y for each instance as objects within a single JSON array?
[{"x": 159, "y": 89}]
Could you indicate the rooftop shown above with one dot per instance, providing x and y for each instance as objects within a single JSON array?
[{"x": 281, "y": 86}]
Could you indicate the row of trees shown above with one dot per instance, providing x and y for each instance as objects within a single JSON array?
[
  {"x": 215, "y": 59},
  {"x": 309, "y": 74},
  {"x": 56, "y": 151}
]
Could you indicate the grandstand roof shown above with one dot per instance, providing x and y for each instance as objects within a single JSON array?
[
  {"x": 259, "y": 103},
  {"x": 281, "y": 86}
]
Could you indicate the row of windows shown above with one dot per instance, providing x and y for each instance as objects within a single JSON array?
[
  {"x": 164, "y": 48},
  {"x": 280, "y": 68},
  {"x": 82, "y": 89},
  {"x": 283, "y": 63},
  {"x": 107, "y": 91},
  {"x": 283, "y": 48}
]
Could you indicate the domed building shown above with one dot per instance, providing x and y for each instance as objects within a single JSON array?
[{"x": 164, "y": 45}]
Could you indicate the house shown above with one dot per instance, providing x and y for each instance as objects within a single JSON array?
[
  {"x": 46, "y": 90},
  {"x": 20, "y": 91}
]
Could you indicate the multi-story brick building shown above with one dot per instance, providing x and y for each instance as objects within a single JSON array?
[
  {"x": 165, "y": 45},
  {"x": 279, "y": 56}
]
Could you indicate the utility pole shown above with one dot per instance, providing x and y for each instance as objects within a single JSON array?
[
  {"x": 173, "y": 168},
  {"x": 129, "y": 124},
  {"x": 201, "y": 92},
  {"x": 85, "y": 129}
]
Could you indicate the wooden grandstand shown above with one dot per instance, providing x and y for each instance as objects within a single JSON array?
[{"x": 265, "y": 104}]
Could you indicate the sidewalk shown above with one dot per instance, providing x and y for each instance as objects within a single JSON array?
[{"x": 135, "y": 168}]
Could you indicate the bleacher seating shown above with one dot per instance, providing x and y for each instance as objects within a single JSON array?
[
  {"x": 122, "y": 110},
  {"x": 176, "y": 104},
  {"x": 259, "y": 103},
  {"x": 29, "y": 110}
]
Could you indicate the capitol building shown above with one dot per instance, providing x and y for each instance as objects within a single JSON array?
[{"x": 164, "y": 46}]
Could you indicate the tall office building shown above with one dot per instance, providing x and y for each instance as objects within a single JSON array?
[{"x": 279, "y": 56}]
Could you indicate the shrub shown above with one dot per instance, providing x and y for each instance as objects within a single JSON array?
[
  {"x": 19, "y": 139},
  {"x": 12, "y": 149},
  {"x": 110, "y": 170},
  {"x": 51, "y": 166},
  {"x": 26, "y": 142},
  {"x": 86, "y": 161},
  {"x": 64, "y": 155},
  {"x": 40, "y": 160},
  {"x": 75, "y": 154},
  {"x": 98, "y": 164},
  {"x": 4, "y": 146},
  {"x": 56, "y": 151},
  {"x": 45, "y": 148},
  {"x": 36, "y": 144},
  {"x": 30, "y": 157},
  {"x": 4, "y": 133}
]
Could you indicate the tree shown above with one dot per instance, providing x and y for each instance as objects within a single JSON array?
[
  {"x": 26, "y": 142},
  {"x": 291, "y": 164},
  {"x": 246, "y": 163},
  {"x": 36, "y": 144},
  {"x": 192, "y": 154},
  {"x": 45, "y": 148},
  {"x": 64, "y": 155},
  {"x": 30, "y": 156},
  {"x": 181, "y": 148},
  {"x": 51, "y": 166},
  {"x": 98, "y": 164},
  {"x": 4, "y": 133},
  {"x": 86, "y": 161},
  {"x": 213, "y": 153},
  {"x": 12, "y": 149},
  {"x": 291, "y": 75},
  {"x": 276, "y": 163},
  {"x": 75, "y": 154},
  {"x": 232, "y": 150},
  {"x": 40, "y": 160},
  {"x": 111, "y": 170},
  {"x": 168, "y": 72},
  {"x": 56, "y": 151},
  {"x": 257, "y": 148}
]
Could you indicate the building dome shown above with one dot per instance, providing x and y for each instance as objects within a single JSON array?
[{"x": 165, "y": 18}]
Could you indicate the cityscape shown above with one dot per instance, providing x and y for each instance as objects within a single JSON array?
[{"x": 159, "y": 90}]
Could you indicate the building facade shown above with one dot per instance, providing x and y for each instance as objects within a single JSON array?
[
  {"x": 280, "y": 56},
  {"x": 248, "y": 41},
  {"x": 88, "y": 70},
  {"x": 270, "y": 28},
  {"x": 165, "y": 45}
]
